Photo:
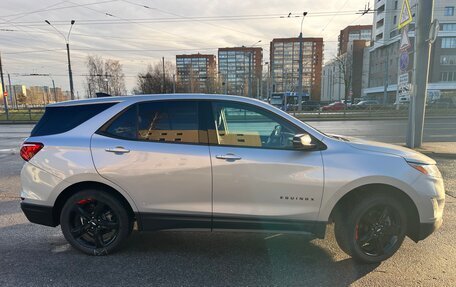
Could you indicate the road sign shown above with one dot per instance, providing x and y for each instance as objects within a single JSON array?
[
  {"x": 403, "y": 85},
  {"x": 406, "y": 15},
  {"x": 405, "y": 41},
  {"x": 5, "y": 94},
  {"x": 404, "y": 61},
  {"x": 434, "y": 30}
]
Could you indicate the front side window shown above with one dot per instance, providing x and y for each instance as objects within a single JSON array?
[{"x": 244, "y": 125}]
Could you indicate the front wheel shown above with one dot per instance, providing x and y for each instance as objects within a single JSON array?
[
  {"x": 95, "y": 222},
  {"x": 373, "y": 230}
]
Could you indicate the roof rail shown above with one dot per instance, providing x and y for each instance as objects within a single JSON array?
[{"x": 102, "y": 95}]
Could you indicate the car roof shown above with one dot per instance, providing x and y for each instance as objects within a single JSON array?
[{"x": 152, "y": 97}]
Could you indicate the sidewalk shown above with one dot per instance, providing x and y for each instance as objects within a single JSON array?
[{"x": 441, "y": 149}]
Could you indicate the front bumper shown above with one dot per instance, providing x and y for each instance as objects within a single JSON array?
[
  {"x": 39, "y": 214},
  {"x": 427, "y": 229}
]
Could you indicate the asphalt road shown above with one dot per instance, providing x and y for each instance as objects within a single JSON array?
[{"x": 34, "y": 255}]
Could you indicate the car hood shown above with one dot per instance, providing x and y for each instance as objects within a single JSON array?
[{"x": 408, "y": 154}]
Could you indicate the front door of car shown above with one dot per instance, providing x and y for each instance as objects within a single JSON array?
[
  {"x": 259, "y": 180},
  {"x": 157, "y": 152}
]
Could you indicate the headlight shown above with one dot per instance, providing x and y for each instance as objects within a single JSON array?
[{"x": 427, "y": 169}]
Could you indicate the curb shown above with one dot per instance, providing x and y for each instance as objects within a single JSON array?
[
  {"x": 438, "y": 154},
  {"x": 18, "y": 122},
  {"x": 312, "y": 119}
]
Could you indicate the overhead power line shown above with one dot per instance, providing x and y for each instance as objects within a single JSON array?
[
  {"x": 52, "y": 8},
  {"x": 186, "y": 18}
]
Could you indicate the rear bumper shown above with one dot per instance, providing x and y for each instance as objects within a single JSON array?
[
  {"x": 427, "y": 229},
  {"x": 39, "y": 214}
]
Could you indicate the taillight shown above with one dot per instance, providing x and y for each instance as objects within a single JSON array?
[{"x": 29, "y": 150}]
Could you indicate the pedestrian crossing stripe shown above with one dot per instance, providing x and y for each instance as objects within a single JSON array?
[{"x": 406, "y": 15}]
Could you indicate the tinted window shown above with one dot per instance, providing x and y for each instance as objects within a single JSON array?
[
  {"x": 173, "y": 121},
  {"x": 245, "y": 125},
  {"x": 124, "y": 125},
  {"x": 58, "y": 120}
]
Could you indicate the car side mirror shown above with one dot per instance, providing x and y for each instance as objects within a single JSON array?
[{"x": 303, "y": 142}]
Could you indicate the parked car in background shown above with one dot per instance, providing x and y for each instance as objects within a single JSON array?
[
  {"x": 310, "y": 106},
  {"x": 445, "y": 103},
  {"x": 366, "y": 104},
  {"x": 348, "y": 103},
  {"x": 336, "y": 106},
  {"x": 402, "y": 103}
]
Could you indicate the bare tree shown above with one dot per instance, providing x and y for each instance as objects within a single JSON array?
[
  {"x": 21, "y": 99},
  {"x": 213, "y": 83},
  {"x": 104, "y": 76},
  {"x": 115, "y": 77},
  {"x": 344, "y": 64},
  {"x": 151, "y": 80}
]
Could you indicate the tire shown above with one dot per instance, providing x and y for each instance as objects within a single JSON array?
[
  {"x": 95, "y": 222},
  {"x": 373, "y": 229}
]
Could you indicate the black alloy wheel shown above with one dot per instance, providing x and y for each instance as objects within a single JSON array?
[
  {"x": 378, "y": 230},
  {"x": 372, "y": 229},
  {"x": 95, "y": 222}
]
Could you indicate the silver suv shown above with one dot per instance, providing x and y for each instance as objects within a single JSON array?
[{"x": 215, "y": 162}]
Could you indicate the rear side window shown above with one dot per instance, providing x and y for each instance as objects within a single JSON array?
[
  {"x": 173, "y": 121},
  {"x": 123, "y": 125},
  {"x": 58, "y": 120}
]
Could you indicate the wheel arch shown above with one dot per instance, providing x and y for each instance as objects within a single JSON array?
[
  {"x": 350, "y": 198},
  {"x": 76, "y": 187}
]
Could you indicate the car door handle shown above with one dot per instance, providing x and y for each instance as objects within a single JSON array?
[
  {"x": 117, "y": 149},
  {"x": 228, "y": 156}
]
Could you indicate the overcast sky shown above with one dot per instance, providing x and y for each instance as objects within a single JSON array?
[{"x": 136, "y": 35}]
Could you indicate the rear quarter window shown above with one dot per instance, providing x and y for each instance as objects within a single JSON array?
[{"x": 58, "y": 120}]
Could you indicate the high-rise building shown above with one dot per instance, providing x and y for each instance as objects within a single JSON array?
[
  {"x": 39, "y": 95},
  {"x": 351, "y": 33},
  {"x": 196, "y": 73},
  {"x": 240, "y": 70},
  {"x": 384, "y": 53},
  {"x": 285, "y": 65}
]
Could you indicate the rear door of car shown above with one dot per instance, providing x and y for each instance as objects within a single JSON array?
[{"x": 157, "y": 151}]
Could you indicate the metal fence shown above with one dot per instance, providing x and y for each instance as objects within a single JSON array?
[
  {"x": 371, "y": 112},
  {"x": 33, "y": 114}
]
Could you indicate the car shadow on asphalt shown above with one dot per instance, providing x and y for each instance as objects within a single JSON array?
[
  {"x": 179, "y": 259},
  {"x": 276, "y": 258},
  {"x": 175, "y": 258}
]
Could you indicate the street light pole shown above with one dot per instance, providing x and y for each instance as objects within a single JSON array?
[
  {"x": 13, "y": 93},
  {"x": 67, "y": 41},
  {"x": 70, "y": 72},
  {"x": 5, "y": 100},
  {"x": 250, "y": 75},
  {"x": 53, "y": 88},
  {"x": 421, "y": 61},
  {"x": 300, "y": 90}
]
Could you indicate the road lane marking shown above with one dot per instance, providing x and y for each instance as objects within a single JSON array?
[{"x": 272, "y": 236}]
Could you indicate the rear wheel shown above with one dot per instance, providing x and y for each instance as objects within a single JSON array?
[
  {"x": 94, "y": 222},
  {"x": 373, "y": 230}
]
